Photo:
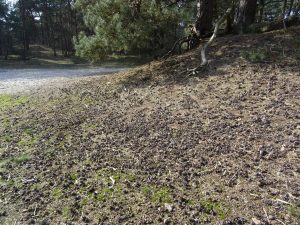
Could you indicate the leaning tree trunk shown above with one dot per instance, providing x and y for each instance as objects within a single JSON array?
[
  {"x": 204, "y": 16},
  {"x": 245, "y": 15}
]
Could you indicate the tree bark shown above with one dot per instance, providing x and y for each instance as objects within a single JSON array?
[
  {"x": 291, "y": 7},
  {"x": 204, "y": 16},
  {"x": 24, "y": 30},
  {"x": 283, "y": 13},
  {"x": 245, "y": 15},
  {"x": 261, "y": 10}
]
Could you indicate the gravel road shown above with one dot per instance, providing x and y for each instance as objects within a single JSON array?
[{"x": 13, "y": 81}]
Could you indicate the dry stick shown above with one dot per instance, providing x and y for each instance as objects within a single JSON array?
[
  {"x": 34, "y": 213},
  {"x": 212, "y": 38},
  {"x": 281, "y": 222},
  {"x": 285, "y": 202},
  {"x": 266, "y": 215}
]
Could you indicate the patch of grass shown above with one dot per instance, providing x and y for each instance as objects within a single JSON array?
[
  {"x": 22, "y": 158},
  {"x": 27, "y": 142},
  {"x": 38, "y": 186},
  {"x": 84, "y": 201},
  {"x": 66, "y": 212},
  {"x": 3, "y": 163},
  {"x": 191, "y": 202},
  {"x": 255, "y": 55},
  {"x": 294, "y": 211},
  {"x": 215, "y": 208},
  {"x": 2, "y": 182},
  {"x": 162, "y": 195},
  {"x": 104, "y": 194},
  {"x": 88, "y": 126},
  {"x": 7, "y": 138},
  {"x": 16, "y": 182},
  {"x": 146, "y": 191},
  {"x": 157, "y": 194},
  {"x": 28, "y": 138},
  {"x": 5, "y": 121},
  {"x": 73, "y": 177},
  {"x": 57, "y": 193},
  {"x": 9, "y": 101},
  {"x": 118, "y": 176},
  {"x": 88, "y": 101},
  {"x": 112, "y": 182},
  {"x": 130, "y": 177}
]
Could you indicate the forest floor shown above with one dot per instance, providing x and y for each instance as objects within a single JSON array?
[{"x": 155, "y": 145}]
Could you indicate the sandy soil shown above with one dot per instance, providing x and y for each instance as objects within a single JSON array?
[{"x": 13, "y": 81}]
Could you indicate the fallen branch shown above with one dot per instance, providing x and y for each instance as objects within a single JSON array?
[
  {"x": 210, "y": 41},
  {"x": 282, "y": 201}
]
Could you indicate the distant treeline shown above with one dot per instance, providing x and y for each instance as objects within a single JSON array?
[{"x": 49, "y": 22}]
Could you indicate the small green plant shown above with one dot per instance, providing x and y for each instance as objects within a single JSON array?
[
  {"x": 27, "y": 142},
  {"x": 57, "y": 193},
  {"x": 130, "y": 177},
  {"x": 73, "y": 177},
  {"x": 217, "y": 208},
  {"x": 157, "y": 194},
  {"x": 8, "y": 138},
  {"x": 255, "y": 55},
  {"x": 146, "y": 191},
  {"x": 66, "y": 212},
  {"x": 22, "y": 158},
  {"x": 104, "y": 194},
  {"x": 294, "y": 211},
  {"x": 162, "y": 195}
]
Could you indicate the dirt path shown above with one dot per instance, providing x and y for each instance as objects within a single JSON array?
[{"x": 14, "y": 81}]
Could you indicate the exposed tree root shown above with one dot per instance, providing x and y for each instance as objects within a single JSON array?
[{"x": 191, "y": 40}]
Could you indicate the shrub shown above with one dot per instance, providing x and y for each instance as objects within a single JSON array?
[{"x": 255, "y": 55}]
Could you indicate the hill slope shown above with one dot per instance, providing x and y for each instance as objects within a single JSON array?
[{"x": 155, "y": 146}]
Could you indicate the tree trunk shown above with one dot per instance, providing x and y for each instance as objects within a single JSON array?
[
  {"x": 230, "y": 19},
  {"x": 24, "y": 31},
  {"x": 291, "y": 7},
  {"x": 204, "y": 16},
  {"x": 261, "y": 10},
  {"x": 283, "y": 13},
  {"x": 245, "y": 15}
]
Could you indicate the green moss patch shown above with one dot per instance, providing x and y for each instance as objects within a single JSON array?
[{"x": 9, "y": 101}]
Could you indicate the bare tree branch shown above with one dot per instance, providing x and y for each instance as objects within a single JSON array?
[{"x": 210, "y": 41}]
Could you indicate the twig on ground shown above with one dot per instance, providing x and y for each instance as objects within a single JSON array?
[
  {"x": 280, "y": 222},
  {"x": 112, "y": 182},
  {"x": 266, "y": 215},
  {"x": 282, "y": 201},
  {"x": 34, "y": 212}
]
